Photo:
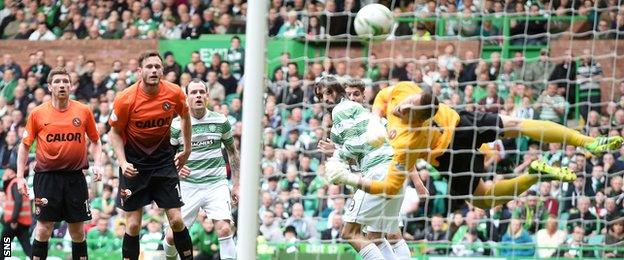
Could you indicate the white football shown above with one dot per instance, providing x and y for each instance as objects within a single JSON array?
[{"x": 374, "y": 20}]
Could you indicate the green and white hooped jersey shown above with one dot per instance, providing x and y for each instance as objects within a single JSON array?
[
  {"x": 349, "y": 127},
  {"x": 209, "y": 134}
]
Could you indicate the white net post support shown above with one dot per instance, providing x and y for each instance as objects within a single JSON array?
[{"x": 255, "y": 57}]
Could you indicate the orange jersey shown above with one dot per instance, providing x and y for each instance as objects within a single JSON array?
[
  {"x": 61, "y": 136},
  {"x": 145, "y": 122}
]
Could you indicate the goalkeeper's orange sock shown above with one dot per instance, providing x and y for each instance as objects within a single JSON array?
[
  {"x": 551, "y": 132},
  {"x": 505, "y": 188}
]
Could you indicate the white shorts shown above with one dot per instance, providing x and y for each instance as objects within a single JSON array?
[
  {"x": 377, "y": 213},
  {"x": 213, "y": 199}
]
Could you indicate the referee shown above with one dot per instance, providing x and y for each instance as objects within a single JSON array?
[
  {"x": 140, "y": 135},
  {"x": 60, "y": 127}
]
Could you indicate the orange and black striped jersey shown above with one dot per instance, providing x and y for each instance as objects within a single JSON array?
[
  {"x": 61, "y": 136},
  {"x": 145, "y": 122}
]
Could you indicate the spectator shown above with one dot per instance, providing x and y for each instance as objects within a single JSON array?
[
  {"x": 436, "y": 233},
  {"x": 611, "y": 165},
  {"x": 550, "y": 105},
  {"x": 9, "y": 64},
  {"x": 145, "y": 23},
  {"x": 227, "y": 79},
  {"x": 195, "y": 30},
  {"x": 333, "y": 234},
  {"x": 615, "y": 239},
  {"x": 603, "y": 31},
  {"x": 615, "y": 188},
  {"x": 105, "y": 203},
  {"x": 589, "y": 74},
  {"x": 517, "y": 241},
  {"x": 8, "y": 84},
  {"x": 292, "y": 28},
  {"x": 215, "y": 89},
  {"x": 304, "y": 226},
  {"x": 469, "y": 245},
  {"x": 42, "y": 33},
  {"x": 550, "y": 238},
  {"x": 152, "y": 240},
  {"x": 294, "y": 93},
  {"x": 168, "y": 30},
  {"x": 23, "y": 32},
  {"x": 574, "y": 245},
  {"x": 225, "y": 25},
  {"x": 270, "y": 229},
  {"x": 12, "y": 28},
  {"x": 472, "y": 219},
  {"x": 492, "y": 102},
  {"x": 580, "y": 216},
  {"x": 206, "y": 240},
  {"x": 236, "y": 57},
  {"x": 101, "y": 238},
  {"x": 564, "y": 75},
  {"x": 525, "y": 111},
  {"x": 533, "y": 213},
  {"x": 40, "y": 68},
  {"x": 315, "y": 29},
  {"x": 536, "y": 74}
]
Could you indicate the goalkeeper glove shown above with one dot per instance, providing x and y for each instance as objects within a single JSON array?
[
  {"x": 337, "y": 172},
  {"x": 376, "y": 134}
]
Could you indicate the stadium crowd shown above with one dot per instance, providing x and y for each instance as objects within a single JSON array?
[
  {"x": 190, "y": 19},
  {"x": 296, "y": 204}
]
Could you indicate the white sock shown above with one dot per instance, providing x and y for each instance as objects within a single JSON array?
[
  {"x": 386, "y": 250},
  {"x": 371, "y": 252},
  {"x": 170, "y": 251},
  {"x": 227, "y": 248},
  {"x": 401, "y": 250}
]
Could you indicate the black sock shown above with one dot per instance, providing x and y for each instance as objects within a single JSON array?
[
  {"x": 183, "y": 244},
  {"x": 79, "y": 250},
  {"x": 130, "y": 247},
  {"x": 40, "y": 250}
]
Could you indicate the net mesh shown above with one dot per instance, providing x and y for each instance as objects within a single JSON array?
[{"x": 490, "y": 56}]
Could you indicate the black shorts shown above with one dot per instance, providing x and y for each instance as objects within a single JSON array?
[
  {"x": 463, "y": 161},
  {"x": 148, "y": 186},
  {"x": 61, "y": 196}
]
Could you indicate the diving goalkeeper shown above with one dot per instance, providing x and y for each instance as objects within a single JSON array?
[{"x": 420, "y": 127}]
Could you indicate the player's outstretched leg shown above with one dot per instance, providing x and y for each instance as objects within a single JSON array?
[
  {"x": 551, "y": 132},
  {"x": 506, "y": 190}
]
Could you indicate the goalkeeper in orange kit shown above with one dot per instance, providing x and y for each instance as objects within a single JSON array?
[{"x": 420, "y": 127}]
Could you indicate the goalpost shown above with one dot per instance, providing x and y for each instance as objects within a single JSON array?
[
  {"x": 428, "y": 48},
  {"x": 255, "y": 64}
]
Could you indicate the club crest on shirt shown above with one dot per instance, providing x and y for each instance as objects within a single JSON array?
[
  {"x": 166, "y": 106},
  {"x": 76, "y": 121},
  {"x": 212, "y": 128}
]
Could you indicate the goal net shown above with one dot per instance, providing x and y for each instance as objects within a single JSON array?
[{"x": 546, "y": 60}]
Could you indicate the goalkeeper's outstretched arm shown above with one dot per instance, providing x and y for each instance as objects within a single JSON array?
[{"x": 338, "y": 173}]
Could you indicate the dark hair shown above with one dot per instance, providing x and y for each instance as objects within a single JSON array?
[
  {"x": 196, "y": 80},
  {"x": 57, "y": 71},
  {"x": 356, "y": 83},
  {"x": 330, "y": 82},
  {"x": 148, "y": 54},
  {"x": 235, "y": 38}
]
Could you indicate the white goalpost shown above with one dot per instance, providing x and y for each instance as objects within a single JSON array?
[{"x": 255, "y": 64}]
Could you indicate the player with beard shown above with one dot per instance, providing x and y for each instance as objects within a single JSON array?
[{"x": 140, "y": 136}]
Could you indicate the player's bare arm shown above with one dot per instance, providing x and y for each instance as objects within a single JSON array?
[
  {"x": 116, "y": 140},
  {"x": 96, "y": 152},
  {"x": 182, "y": 157},
  {"x": 234, "y": 158},
  {"x": 22, "y": 165}
]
